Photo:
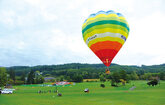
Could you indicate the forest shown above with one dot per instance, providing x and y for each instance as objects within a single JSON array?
[
  {"x": 76, "y": 72},
  {"x": 91, "y": 69}
]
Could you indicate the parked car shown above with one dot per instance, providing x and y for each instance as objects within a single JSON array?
[{"x": 6, "y": 91}]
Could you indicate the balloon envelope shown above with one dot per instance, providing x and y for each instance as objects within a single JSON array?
[{"x": 105, "y": 32}]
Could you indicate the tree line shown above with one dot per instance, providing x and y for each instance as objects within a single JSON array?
[
  {"x": 9, "y": 77},
  {"x": 76, "y": 72}
]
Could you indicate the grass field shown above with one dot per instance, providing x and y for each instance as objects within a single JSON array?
[{"x": 74, "y": 95}]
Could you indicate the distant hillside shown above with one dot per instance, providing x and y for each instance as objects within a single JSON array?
[{"x": 78, "y": 67}]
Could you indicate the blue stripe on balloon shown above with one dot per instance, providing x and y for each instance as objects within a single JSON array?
[{"x": 104, "y": 12}]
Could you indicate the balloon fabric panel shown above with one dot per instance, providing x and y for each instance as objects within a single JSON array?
[{"x": 105, "y": 32}]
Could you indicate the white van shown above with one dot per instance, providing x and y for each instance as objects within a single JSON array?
[{"x": 6, "y": 91}]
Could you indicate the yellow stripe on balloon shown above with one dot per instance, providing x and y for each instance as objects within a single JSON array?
[
  {"x": 98, "y": 16},
  {"x": 98, "y": 31},
  {"x": 114, "y": 26},
  {"x": 121, "y": 19},
  {"x": 107, "y": 38}
]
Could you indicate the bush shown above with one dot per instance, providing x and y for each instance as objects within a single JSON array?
[
  {"x": 102, "y": 85},
  {"x": 113, "y": 83},
  {"x": 10, "y": 81},
  {"x": 153, "y": 82},
  {"x": 18, "y": 82}
]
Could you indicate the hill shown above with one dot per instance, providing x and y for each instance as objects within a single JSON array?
[{"x": 91, "y": 68}]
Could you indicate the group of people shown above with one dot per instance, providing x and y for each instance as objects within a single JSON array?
[
  {"x": 49, "y": 91},
  {"x": 59, "y": 94}
]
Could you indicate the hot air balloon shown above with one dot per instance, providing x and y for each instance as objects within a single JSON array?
[{"x": 105, "y": 32}]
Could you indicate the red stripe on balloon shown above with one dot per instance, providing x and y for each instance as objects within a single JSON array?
[{"x": 106, "y": 55}]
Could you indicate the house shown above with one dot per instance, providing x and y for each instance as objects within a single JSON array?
[{"x": 48, "y": 79}]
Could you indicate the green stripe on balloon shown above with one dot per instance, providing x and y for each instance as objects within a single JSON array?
[
  {"x": 105, "y": 22},
  {"x": 105, "y": 26}
]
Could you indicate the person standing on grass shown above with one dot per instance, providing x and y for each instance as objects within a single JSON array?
[{"x": 0, "y": 90}]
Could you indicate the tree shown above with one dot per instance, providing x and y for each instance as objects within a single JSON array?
[
  {"x": 68, "y": 78},
  {"x": 134, "y": 76},
  {"x": 115, "y": 79},
  {"x": 12, "y": 74},
  {"x": 38, "y": 77},
  {"x": 23, "y": 77},
  {"x": 3, "y": 76},
  {"x": 102, "y": 78},
  {"x": 39, "y": 80},
  {"x": 77, "y": 78},
  {"x": 31, "y": 76},
  {"x": 148, "y": 76},
  {"x": 123, "y": 75},
  {"x": 85, "y": 74},
  {"x": 10, "y": 81},
  {"x": 162, "y": 75},
  {"x": 61, "y": 78}
]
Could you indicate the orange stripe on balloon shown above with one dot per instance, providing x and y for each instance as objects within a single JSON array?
[{"x": 106, "y": 45}]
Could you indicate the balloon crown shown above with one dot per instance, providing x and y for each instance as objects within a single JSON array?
[{"x": 104, "y": 12}]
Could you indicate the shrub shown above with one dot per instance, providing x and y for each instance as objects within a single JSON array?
[
  {"x": 18, "y": 82},
  {"x": 153, "y": 82},
  {"x": 102, "y": 85}
]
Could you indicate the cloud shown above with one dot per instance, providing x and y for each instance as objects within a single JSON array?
[
  {"x": 35, "y": 32},
  {"x": 145, "y": 44}
]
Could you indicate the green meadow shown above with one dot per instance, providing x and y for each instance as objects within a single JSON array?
[{"x": 74, "y": 95}]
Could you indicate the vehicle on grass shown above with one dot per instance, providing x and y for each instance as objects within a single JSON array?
[
  {"x": 86, "y": 90},
  {"x": 7, "y": 91}
]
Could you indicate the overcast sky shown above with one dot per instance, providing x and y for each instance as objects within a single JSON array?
[{"x": 46, "y": 32}]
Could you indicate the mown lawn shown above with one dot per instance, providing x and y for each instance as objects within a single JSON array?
[{"x": 74, "y": 95}]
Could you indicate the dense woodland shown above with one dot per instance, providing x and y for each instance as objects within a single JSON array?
[
  {"x": 77, "y": 72},
  {"x": 57, "y": 70}
]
